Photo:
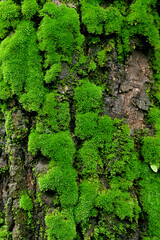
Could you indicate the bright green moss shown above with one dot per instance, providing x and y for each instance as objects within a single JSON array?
[
  {"x": 53, "y": 72},
  {"x": 88, "y": 97},
  {"x": 60, "y": 225},
  {"x": 89, "y": 156},
  {"x": 4, "y": 233},
  {"x": 142, "y": 22},
  {"x": 58, "y": 34},
  {"x": 86, "y": 125},
  {"x": 102, "y": 58},
  {"x": 121, "y": 150},
  {"x": 93, "y": 16},
  {"x": 154, "y": 117},
  {"x": 61, "y": 177},
  {"x": 133, "y": 167},
  {"x": 119, "y": 203},
  {"x": 59, "y": 146},
  {"x": 151, "y": 150},
  {"x": 150, "y": 195},
  {"x": 33, "y": 142},
  {"x": 21, "y": 66},
  {"x": 117, "y": 200},
  {"x": 54, "y": 115},
  {"x": 92, "y": 66},
  {"x": 88, "y": 194},
  {"x": 64, "y": 182},
  {"x": 114, "y": 21},
  {"x": 26, "y": 202},
  {"x": 29, "y": 8},
  {"x": 105, "y": 130},
  {"x": 5, "y": 92},
  {"x": 9, "y": 13}
]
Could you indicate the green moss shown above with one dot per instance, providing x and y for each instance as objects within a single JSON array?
[
  {"x": 54, "y": 115},
  {"x": 92, "y": 66},
  {"x": 87, "y": 97},
  {"x": 89, "y": 156},
  {"x": 26, "y": 202},
  {"x": 121, "y": 151},
  {"x": 4, "y": 233},
  {"x": 4, "y": 169},
  {"x": 154, "y": 118},
  {"x": 60, "y": 226},
  {"x": 150, "y": 201},
  {"x": 88, "y": 194},
  {"x": 151, "y": 150},
  {"x": 119, "y": 203},
  {"x": 58, "y": 34},
  {"x": 29, "y": 8},
  {"x": 102, "y": 58},
  {"x": 114, "y": 21},
  {"x": 105, "y": 131},
  {"x": 8, "y": 124},
  {"x": 21, "y": 64},
  {"x": 64, "y": 182},
  {"x": 93, "y": 16},
  {"x": 86, "y": 125},
  {"x": 9, "y": 13},
  {"x": 33, "y": 142},
  {"x": 59, "y": 147}
]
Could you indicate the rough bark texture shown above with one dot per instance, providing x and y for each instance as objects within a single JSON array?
[{"x": 128, "y": 88}]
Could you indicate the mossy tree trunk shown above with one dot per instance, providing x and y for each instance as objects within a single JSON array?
[{"x": 80, "y": 117}]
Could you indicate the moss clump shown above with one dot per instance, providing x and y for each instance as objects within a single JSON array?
[
  {"x": 118, "y": 200},
  {"x": 61, "y": 225},
  {"x": 151, "y": 150},
  {"x": 93, "y": 16},
  {"x": 154, "y": 118},
  {"x": 29, "y": 8},
  {"x": 9, "y": 13},
  {"x": 4, "y": 233},
  {"x": 102, "y": 58},
  {"x": 26, "y": 202},
  {"x": 54, "y": 114},
  {"x": 150, "y": 200},
  {"x": 85, "y": 208},
  {"x": 114, "y": 21},
  {"x": 63, "y": 181},
  {"x": 86, "y": 125},
  {"x": 58, "y": 34},
  {"x": 120, "y": 152},
  {"x": 21, "y": 66},
  {"x": 88, "y": 97},
  {"x": 89, "y": 157}
]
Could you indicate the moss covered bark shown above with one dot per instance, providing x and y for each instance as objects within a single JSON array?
[{"x": 79, "y": 116}]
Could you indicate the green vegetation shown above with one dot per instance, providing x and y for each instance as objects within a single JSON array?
[
  {"x": 58, "y": 35},
  {"x": 26, "y": 202},
  {"x": 88, "y": 97},
  {"x": 94, "y": 18},
  {"x": 21, "y": 64},
  {"x": 9, "y": 13},
  {"x": 150, "y": 199},
  {"x": 54, "y": 115},
  {"x": 85, "y": 175},
  {"x": 29, "y": 8},
  {"x": 61, "y": 225}
]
